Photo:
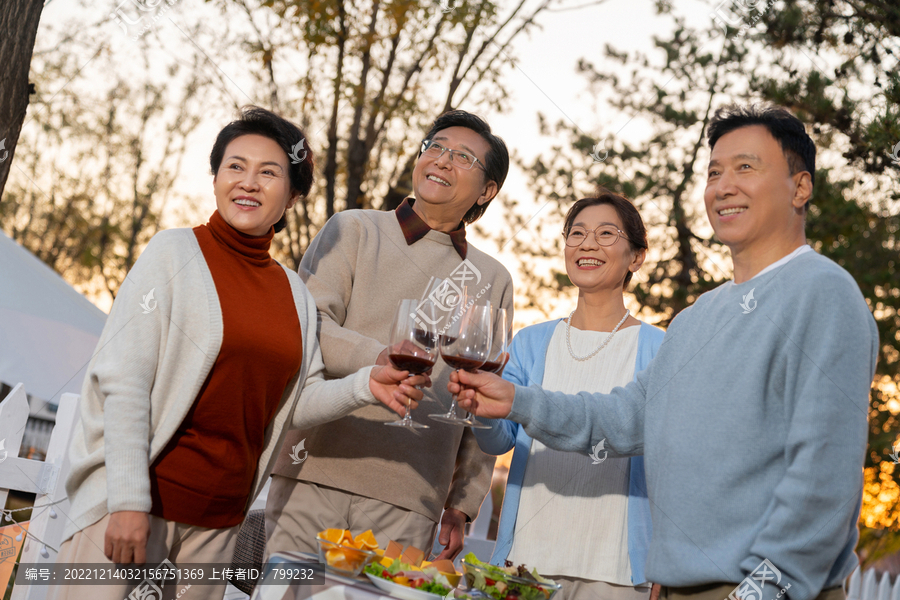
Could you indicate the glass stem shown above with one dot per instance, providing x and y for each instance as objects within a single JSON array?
[{"x": 453, "y": 404}]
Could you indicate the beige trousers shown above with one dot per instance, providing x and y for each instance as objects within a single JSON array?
[
  {"x": 720, "y": 591},
  {"x": 576, "y": 588},
  {"x": 296, "y": 511},
  {"x": 179, "y": 543}
]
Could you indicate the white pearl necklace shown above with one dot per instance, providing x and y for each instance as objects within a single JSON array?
[{"x": 602, "y": 346}]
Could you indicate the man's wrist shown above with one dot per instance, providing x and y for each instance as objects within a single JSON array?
[{"x": 467, "y": 517}]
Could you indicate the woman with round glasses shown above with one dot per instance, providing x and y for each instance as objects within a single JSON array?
[{"x": 584, "y": 521}]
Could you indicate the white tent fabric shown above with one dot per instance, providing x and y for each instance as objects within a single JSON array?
[{"x": 48, "y": 330}]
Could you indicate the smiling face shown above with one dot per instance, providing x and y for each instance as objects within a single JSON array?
[
  {"x": 252, "y": 185},
  {"x": 753, "y": 202},
  {"x": 442, "y": 186},
  {"x": 592, "y": 267}
]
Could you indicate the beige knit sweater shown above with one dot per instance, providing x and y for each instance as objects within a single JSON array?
[
  {"x": 358, "y": 268},
  {"x": 157, "y": 348}
]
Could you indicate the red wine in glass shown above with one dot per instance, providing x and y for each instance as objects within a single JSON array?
[
  {"x": 460, "y": 362},
  {"x": 492, "y": 367},
  {"x": 502, "y": 337},
  {"x": 425, "y": 337},
  {"x": 416, "y": 365}
]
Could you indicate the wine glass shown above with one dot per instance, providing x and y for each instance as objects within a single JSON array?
[
  {"x": 413, "y": 346},
  {"x": 498, "y": 354},
  {"x": 500, "y": 346},
  {"x": 465, "y": 345},
  {"x": 496, "y": 358}
]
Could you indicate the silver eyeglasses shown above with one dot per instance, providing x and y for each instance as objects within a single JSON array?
[
  {"x": 460, "y": 158},
  {"x": 606, "y": 235}
]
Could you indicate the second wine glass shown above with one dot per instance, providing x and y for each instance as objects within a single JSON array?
[
  {"x": 501, "y": 339},
  {"x": 498, "y": 355},
  {"x": 465, "y": 345}
]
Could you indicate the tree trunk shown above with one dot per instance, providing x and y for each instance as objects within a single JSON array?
[
  {"x": 331, "y": 159},
  {"x": 403, "y": 188},
  {"x": 687, "y": 258},
  {"x": 18, "y": 27},
  {"x": 356, "y": 145}
]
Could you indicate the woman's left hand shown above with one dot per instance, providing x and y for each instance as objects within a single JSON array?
[{"x": 397, "y": 389}]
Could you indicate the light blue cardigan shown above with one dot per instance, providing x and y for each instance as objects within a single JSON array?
[{"x": 528, "y": 354}]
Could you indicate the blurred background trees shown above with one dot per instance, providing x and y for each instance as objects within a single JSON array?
[{"x": 375, "y": 75}]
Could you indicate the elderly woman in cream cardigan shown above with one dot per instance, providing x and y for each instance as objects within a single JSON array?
[{"x": 208, "y": 357}]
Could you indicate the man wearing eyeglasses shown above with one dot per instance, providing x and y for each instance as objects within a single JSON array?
[{"x": 356, "y": 473}]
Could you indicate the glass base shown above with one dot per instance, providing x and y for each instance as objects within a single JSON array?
[
  {"x": 454, "y": 420},
  {"x": 445, "y": 418},
  {"x": 408, "y": 423}
]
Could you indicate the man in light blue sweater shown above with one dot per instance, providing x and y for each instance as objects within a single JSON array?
[{"x": 752, "y": 416}]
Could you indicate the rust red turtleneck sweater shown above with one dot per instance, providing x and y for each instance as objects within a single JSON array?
[{"x": 204, "y": 475}]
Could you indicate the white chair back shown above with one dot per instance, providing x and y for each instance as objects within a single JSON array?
[{"x": 46, "y": 478}]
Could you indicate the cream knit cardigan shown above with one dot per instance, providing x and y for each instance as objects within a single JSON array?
[{"x": 158, "y": 346}]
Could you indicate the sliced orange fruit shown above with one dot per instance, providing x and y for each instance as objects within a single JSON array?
[
  {"x": 366, "y": 540},
  {"x": 338, "y": 559},
  {"x": 345, "y": 559},
  {"x": 338, "y": 536}
]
